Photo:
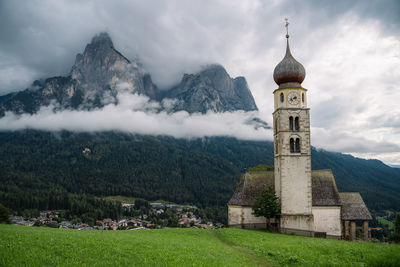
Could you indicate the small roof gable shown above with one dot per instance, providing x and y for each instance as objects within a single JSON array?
[
  {"x": 324, "y": 190},
  {"x": 250, "y": 186},
  {"x": 353, "y": 207}
]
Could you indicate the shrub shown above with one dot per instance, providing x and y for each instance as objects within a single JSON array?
[
  {"x": 267, "y": 204},
  {"x": 395, "y": 237},
  {"x": 4, "y": 214}
]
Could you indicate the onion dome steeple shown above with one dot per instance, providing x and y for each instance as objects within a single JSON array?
[{"x": 289, "y": 72}]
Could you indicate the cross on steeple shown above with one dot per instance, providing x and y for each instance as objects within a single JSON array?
[{"x": 287, "y": 28}]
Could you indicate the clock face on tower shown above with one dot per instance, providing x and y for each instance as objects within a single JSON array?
[{"x": 293, "y": 98}]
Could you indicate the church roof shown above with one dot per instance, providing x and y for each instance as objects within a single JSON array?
[
  {"x": 324, "y": 193},
  {"x": 353, "y": 207},
  {"x": 251, "y": 184},
  {"x": 324, "y": 190}
]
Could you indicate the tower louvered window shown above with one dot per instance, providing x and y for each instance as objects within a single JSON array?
[
  {"x": 291, "y": 145},
  {"x": 291, "y": 123},
  {"x": 296, "y": 124},
  {"x": 297, "y": 145}
]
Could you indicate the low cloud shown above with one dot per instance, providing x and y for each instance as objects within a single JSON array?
[
  {"x": 137, "y": 114},
  {"x": 344, "y": 142}
]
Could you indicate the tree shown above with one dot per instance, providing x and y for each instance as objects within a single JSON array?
[
  {"x": 395, "y": 237},
  {"x": 4, "y": 214},
  {"x": 267, "y": 205},
  {"x": 141, "y": 203},
  {"x": 397, "y": 223}
]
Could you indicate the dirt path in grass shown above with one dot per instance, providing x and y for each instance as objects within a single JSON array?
[{"x": 248, "y": 253}]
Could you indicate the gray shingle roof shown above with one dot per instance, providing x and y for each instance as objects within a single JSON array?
[
  {"x": 324, "y": 190},
  {"x": 250, "y": 186},
  {"x": 353, "y": 207}
]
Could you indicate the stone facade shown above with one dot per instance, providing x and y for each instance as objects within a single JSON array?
[
  {"x": 242, "y": 217},
  {"x": 327, "y": 219}
]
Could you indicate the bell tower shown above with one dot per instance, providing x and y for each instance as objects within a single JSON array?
[{"x": 292, "y": 153}]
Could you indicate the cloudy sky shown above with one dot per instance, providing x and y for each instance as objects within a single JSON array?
[{"x": 350, "y": 49}]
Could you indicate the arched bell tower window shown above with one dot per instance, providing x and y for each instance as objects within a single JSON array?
[
  {"x": 297, "y": 145},
  {"x": 291, "y": 123},
  {"x": 276, "y": 126},
  {"x": 302, "y": 97},
  {"x": 276, "y": 147},
  {"x": 294, "y": 145},
  {"x": 282, "y": 97},
  {"x": 291, "y": 145},
  {"x": 296, "y": 124}
]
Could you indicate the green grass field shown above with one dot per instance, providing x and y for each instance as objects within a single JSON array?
[{"x": 31, "y": 246}]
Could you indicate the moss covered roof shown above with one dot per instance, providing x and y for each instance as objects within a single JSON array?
[
  {"x": 353, "y": 207},
  {"x": 324, "y": 190},
  {"x": 250, "y": 186}
]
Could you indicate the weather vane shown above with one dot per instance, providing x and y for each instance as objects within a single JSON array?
[{"x": 287, "y": 27}]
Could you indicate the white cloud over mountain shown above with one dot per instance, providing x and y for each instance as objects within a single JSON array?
[{"x": 138, "y": 115}]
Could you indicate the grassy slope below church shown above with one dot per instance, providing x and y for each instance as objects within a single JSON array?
[
  {"x": 203, "y": 172},
  {"x": 31, "y": 246}
]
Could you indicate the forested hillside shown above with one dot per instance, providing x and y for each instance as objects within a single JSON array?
[{"x": 37, "y": 168}]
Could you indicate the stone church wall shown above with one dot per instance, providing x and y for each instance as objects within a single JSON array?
[
  {"x": 295, "y": 186},
  {"x": 327, "y": 219},
  {"x": 242, "y": 217},
  {"x": 297, "y": 224}
]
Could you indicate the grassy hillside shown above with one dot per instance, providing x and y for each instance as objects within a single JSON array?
[{"x": 31, "y": 246}]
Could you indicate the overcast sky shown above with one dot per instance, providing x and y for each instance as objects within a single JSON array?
[{"x": 350, "y": 50}]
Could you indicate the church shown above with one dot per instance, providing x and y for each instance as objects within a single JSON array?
[{"x": 311, "y": 204}]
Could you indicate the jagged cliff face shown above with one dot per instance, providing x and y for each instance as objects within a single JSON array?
[
  {"x": 101, "y": 72},
  {"x": 101, "y": 68},
  {"x": 212, "y": 89}
]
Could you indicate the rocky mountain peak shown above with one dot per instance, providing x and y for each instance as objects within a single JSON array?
[
  {"x": 100, "y": 52},
  {"x": 102, "y": 39},
  {"x": 101, "y": 67},
  {"x": 214, "y": 69},
  {"x": 212, "y": 89}
]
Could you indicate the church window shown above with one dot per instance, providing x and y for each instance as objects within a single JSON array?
[
  {"x": 302, "y": 97},
  {"x": 276, "y": 125},
  {"x": 282, "y": 97},
  {"x": 291, "y": 123},
  {"x": 291, "y": 145},
  {"x": 297, "y": 145},
  {"x": 276, "y": 147},
  {"x": 296, "y": 124}
]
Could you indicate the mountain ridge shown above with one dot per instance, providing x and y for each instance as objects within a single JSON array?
[{"x": 101, "y": 72}]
